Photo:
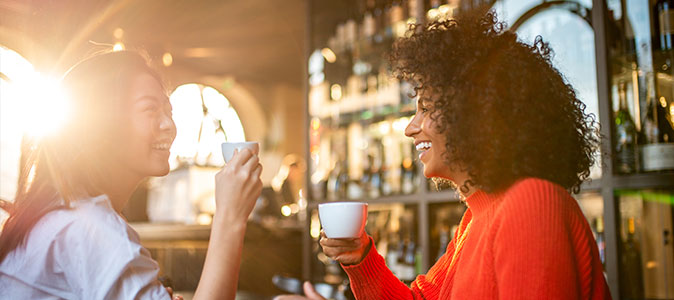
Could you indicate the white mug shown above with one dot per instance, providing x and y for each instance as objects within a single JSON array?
[
  {"x": 343, "y": 219},
  {"x": 228, "y": 148}
]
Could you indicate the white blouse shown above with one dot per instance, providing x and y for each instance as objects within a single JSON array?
[{"x": 87, "y": 252}]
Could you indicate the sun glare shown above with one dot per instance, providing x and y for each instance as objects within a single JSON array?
[{"x": 31, "y": 104}]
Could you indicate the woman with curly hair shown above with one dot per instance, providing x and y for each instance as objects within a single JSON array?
[{"x": 498, "y": 120}]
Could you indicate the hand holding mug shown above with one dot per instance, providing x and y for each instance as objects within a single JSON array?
[
  {"x": 349, "y": 251},
  {"x": 238, "y": 185},
  {"x": 343, "y": 237}
]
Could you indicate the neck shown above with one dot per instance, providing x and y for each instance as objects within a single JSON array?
[
  {"x": 460, "y": 179},
  {"x": 119, "y": 189}
]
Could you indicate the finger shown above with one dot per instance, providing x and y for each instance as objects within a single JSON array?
[
  {"x": 178, "y": 298},
  {"x": 289, "y": 297},
  {"x": 340, "y": 243},
  {"x": 240, "y": 157},
  {"x": 252, "y": 162},
  {"x": 310, "y": 292},
  {"x": 336, "y": 252},
  {"x": 258, "y": 171}
]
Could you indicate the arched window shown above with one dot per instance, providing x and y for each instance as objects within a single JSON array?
[{"x": 205, "y": 119}]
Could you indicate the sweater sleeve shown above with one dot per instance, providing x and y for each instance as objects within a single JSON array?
[
  {"x": 371, "y": 279},
  {"x": 533, "y": 243}
]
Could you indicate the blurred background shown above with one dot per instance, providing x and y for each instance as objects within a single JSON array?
[{"x": 308, "y": 80}]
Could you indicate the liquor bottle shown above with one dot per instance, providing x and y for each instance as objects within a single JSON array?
[
  {"x": 375, "y": 173},
  {"x": 337, "y": 181},
  {"x": 625, "y": 133},
  {"x": 365, "y": 180},
  {"x": 601, "y": 242},
  {"x": 411, "y": 260},
  {"x": 631, "y": 272},
  {"x": 408, "y": 178},
  {"x": 369, "y": 27},
  {"x": 343, "y": 180},
  {"x": 443, "y": 242},
  {"x": 657, "y": 150},
  {"x": 663, "y": 18},
  {"x": 399, "y": 15},
  {"x": 331, "y": 185},
  {"x": 392, "y": 252},
  {"x": 406, "y": 261}
]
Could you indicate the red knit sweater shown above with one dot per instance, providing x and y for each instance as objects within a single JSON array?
[{"x": 529, "y": 242}]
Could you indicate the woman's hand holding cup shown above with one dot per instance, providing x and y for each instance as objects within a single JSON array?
[
  {"x": 238, "y": 185},
  {"x": 347, "y": 251},
  {"x": 343, "y": 237}
]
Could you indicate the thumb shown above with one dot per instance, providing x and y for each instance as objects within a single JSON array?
[{"x": 310, "y": 292}]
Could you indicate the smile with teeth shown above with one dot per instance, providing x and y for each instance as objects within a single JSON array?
[
  {"x": 161, "y": 146},
  {"x": 423, "y": 146}
]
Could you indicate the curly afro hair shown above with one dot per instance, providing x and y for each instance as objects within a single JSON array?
[{"x": 506, "y": 111}]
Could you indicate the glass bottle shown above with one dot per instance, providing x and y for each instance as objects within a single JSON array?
[
  {"x": 631, "y": 272},
  {"x": 625, "y": 133}
]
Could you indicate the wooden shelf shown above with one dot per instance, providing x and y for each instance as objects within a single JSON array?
[
  {"x": 591, "y": 185},
  {"x": 644, "y": 181},
  {"x": 443, "y": 196}
]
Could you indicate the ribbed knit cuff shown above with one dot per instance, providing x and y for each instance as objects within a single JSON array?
[
  {"x": 367, "y": 265},
  {"x": 371, "y": 278}
]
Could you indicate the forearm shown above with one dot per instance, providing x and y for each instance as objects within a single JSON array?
[{"x": 219, "y": 277}]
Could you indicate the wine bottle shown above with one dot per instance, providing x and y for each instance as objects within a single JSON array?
[
  {"x": 408, "y": 182},
  {"x": 399, "y": 15},
  {"x": 631, "y": 272},
  {"x": 657, "y": 150},
  {"x": 375, "y": 173},
  {"x": 601, "y": 242},
  {"x": 625, "y": 133},
  {"x": 443, "y": 242},
  {"x": 664, "y": 24}
]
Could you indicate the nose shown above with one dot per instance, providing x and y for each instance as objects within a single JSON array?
[
  {"x": 414, "y": 127},
  {"x": 166, "y": 124}
]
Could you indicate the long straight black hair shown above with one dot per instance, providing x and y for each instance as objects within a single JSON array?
[{"x": 66, "y": 165}]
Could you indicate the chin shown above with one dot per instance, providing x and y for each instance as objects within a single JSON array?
[{"x": 161, "y": 171}]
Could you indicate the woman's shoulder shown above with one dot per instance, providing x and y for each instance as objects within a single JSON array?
[
  {"x": 88, "y": 214},
  {"x": 537, "y": 192},
  {"x": 85, "y": 221},
  {"x": 64, "y": 235}
]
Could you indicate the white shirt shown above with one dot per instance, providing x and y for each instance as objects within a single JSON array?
[{"x": 87, "y": 252}]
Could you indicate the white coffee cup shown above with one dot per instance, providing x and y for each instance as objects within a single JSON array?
[
  {"x": 343, "y": 219},
  {"x": 228, "y": 148}
]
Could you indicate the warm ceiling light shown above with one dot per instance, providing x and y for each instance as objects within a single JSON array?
[
  {"x": 328, "y": 55},
  {"x": 118, "y": 46},
  {"x": 118, "y": 33},
  {"x": 201, "y": 52},
  {"x": 167, "y": 59}
]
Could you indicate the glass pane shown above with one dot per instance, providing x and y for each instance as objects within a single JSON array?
[
  {"x": 444, "y": 219},
  {"x": 592, "y": 205},
  {"x": 641, "y": 58},
  {"x": 394, "y": 228},
  {"x": 645, "y": 244}
]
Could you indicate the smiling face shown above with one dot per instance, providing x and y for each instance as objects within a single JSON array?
[
  {"x": 429, "y": 143},
  {"x": 146, "y": 131}
]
